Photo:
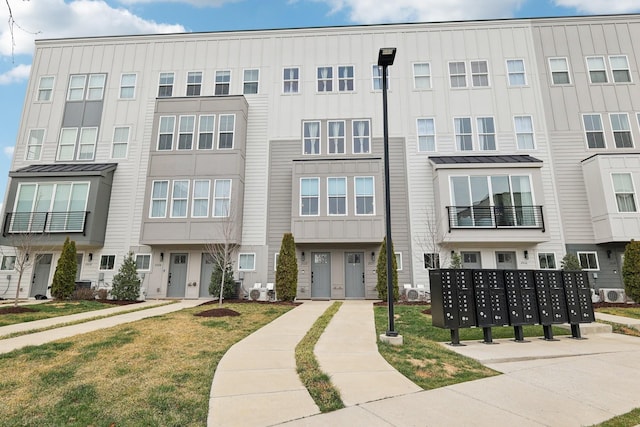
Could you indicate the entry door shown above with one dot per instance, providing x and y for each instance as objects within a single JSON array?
[
  {"x": 40, "y": 279},
  {"x": 506, "y": 260},
  {"x": 471, "y": 260},
  {"x": 321, "y": 275},
  {"x": 177, "y": 276},
  {"x": 354, "y": 275},
  {"x": 206, "y": 268}
]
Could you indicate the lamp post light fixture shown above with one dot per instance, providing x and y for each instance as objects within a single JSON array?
[{"x": 386, "y": 55}]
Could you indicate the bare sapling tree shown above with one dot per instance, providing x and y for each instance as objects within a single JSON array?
[
  {"x": 223, "y": 244},
  {"x": 434, "y": 240}
]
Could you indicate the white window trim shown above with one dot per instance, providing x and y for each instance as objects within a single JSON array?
[
  {"x": 194, "y": 198},
  {"x": 398, "y": 260},
  {"x": 84, "y": 88},
  {"x": 344, "y": 137},
  {"x": 615, "y": 193},
  {"x": 216, "y": 83},
  {"x": 319, "y": 137},
  {"x": 435, "y": 266},
  {"x": 455, "y": 142},
  {"x": 232, "y": 132},
  {"x": 354, "y": 136},
  {"x": 150, "y": 262},
  {"x": 472, "y": 74},
  {"x": 89, "y": 87},
  {"x": 430, "y": 75},
  {"x": 166, "y": 199},
  {"x": 524, "y": 72},
  {"x": 173, "y": 133},
  {"x": 216, "y": 198},
  {"x": 613, "y": 131},
  {"x": 173, "y": 198},
  {"x": 568, "y": 71},
  {"x": 192, "y": 132},
  {"x": 373, "y": 79},
  {"x": 418, "y": 135},
  {"x": 603, "y": 69},
  {"x": 478, "y": 134},
  {"x": 346, "y": 196},
  {"x": 352, "y": 79},
  {"x": 13, "y": 265},
  {"x": 29, "y": 145},
  {"x": 355, "y": 196},
  {"x": 533, "y": 133},
  {"x": 291, "y": 80},
  {"x": 253, "y": 256},
  {"x": 628, "y": 69},
  {"x": 555, "y": 260},
  {"x": 199, "y": 132},
  {"x": 53, "y": 85},
  {"x": 173, "y": 82},
  {"x": 276, "y": 256},
  {"x": 257, "y": 82},
  {"x": 300, "y": 197},
  {"x": 332, "y": 79},
  {"x": 126, "y": 154},
  {"x": 584, "y": 128},
  {"x": 115, "y": 258},
  {"x": 187, "y": 84},
  {"x": 578, "y": 253},
  {"x": 466, "y": 81},
  {"x": 135, "y": 83}
]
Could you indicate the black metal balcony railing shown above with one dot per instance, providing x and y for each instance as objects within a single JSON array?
[
  {"x": 495, "y": 217},
  {"x": 45, "y": 222}
]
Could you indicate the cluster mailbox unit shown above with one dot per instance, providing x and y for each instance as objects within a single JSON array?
[{"x": 464, "y": 298}]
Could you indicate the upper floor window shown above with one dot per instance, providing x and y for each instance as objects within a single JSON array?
[
  {"x": 325, "y": 79},
  {"x": 94, "y": 88},
  {"x": 223, "y": 82},
  {"x": 194, "y": 83},
  {"x": 79, "y": 147},
  {"x": 559, "y": 71},
  {"x": 128, "y": 86},
  {"x": 426, "y": 135},
  {"x": 345, "y": 78},
  {"x": 311, "y": 137},
  {"x": 486, "y": 133},
  {"x": 524, "y": 132},
  {"x": 165, "y": 85},
  {"x": 620, "y": 69},
  {"x": 226, "y": 129},
  {"x": 593, "y": 130},
  {"x": 200, "y": 205},
  {"x": 45, "y": 88},
  {"x": 34, "y": 144},
  {"x": 464, "y": 134},
  {"x": 597, "y": 69},
  {"x": 621, "y": 130},
  {"x": 457, "y": 74},
  {"x": 364, "y": 194},
  {"x": 625, "y": 194},
  {"x": 291, "y": 80},
  {"x": 165, "y": 132},
  {"x": 422, "y": 75},
  {"x": 76, "y": 88},
  {"x": 159, "y": 197},
  {"x": 336, "y": 137},
  {"x": 250, "y": 85},
  {"x": 376, "y": 76},
  {"x": 179, "y": 198},
  {"x": 515, "y": 72},
  {"x": 479, "y": 73},
  {"x": 186, "y": 129},
  {"x": 588, "y": 260},
  {"x": 205, "y": 132},
  {"x": 361, "y": 137},
  {"x": 337, "y": 196},
  {"x": 222, "y": 198},
  {"x": 547, "y": 260},
  {"x": 309, "y": 196},
  {"x": 120, "y": 144}
]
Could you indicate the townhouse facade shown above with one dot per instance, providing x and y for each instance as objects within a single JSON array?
[{"x": 512, "y": 142}]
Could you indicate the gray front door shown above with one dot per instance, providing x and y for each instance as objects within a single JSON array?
[
  {"x": 40, "y": 279},
  {"x": 321, "y": 275},
  {"x": 206, "y": 268},
  {"x": 177, "y": 276},
  {"x": 506, "y": 260},
  {"x": 354, "y": 275},
  {"x": 471, "y": 260}
]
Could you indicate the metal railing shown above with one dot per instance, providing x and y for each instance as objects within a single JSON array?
[
  {"x": 45, "y": 222},
  {"x": 496, "y": 217}
]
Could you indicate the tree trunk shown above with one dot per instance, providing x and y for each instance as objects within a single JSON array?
[{"x": 15, "y": 303}]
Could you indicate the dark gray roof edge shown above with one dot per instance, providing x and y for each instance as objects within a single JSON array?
[
  {"x": 65, "y": 169},
  {"x": 609, "y": 154},
  {"x": 490, "y": 159}
]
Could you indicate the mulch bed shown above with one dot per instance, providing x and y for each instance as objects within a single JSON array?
[
  {"x": 117, "y": 302},
  {"x": 218, "y": 312},
  {"x": 246, "y": 301}
]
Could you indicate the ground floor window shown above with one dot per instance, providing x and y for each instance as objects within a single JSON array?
[
  {"x": 247, "y": 262},
  {"x": 547, "y": 260},
  {"x": 588, "y": 260},
  {"x": 107, "y": 262}
]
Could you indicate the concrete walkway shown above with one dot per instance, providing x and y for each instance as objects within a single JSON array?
[{"x": 631, "y": 323}]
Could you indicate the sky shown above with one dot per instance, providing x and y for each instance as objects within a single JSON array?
[{"x": 47, "y": 19}]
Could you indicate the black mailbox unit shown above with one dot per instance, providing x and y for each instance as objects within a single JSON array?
[
  {"x": 452, "y": 300},
  {"x": 491, "y": 300},
  {"x": 522, "y": 301},
  {"x": 552, "y": 306},
  {"x": 578, "y": 297}
]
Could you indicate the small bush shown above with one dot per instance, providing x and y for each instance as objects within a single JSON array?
[
  {"x": 126, "y": 284},
  {"x": 83, "y": 294},
  {"x": 102, "y": 293},
  {"x": 631, "y": 270},
  {"x": 570, "y": 262},
  {"x": 381, "y": 269},
  {"x": 287, "y": 269},
  {"x": 229, "y": 284}
]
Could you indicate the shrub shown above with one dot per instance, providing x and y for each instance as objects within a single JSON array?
[
  {"x": 64, "y": 278},
  {"x": 126, "y": 284},
  {"x": 229, "y": 284},
  {"x": 287, "y": 269},
  {"x": 102, "y": 293},
  {"x": 456, "y": 261},
  {"x": 570, "y": 262},
  {"x": 631, "y": 270},
  {"x": 83, "y": 294},
  {"x": 381, "y": 285}
]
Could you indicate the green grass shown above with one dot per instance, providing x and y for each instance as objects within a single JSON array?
[
  {"x": 632, "y": 312},
  {"x": 324, "y": 394},
  {"x": 50, "y": 309},
  {"x": 629, "y": 419}
]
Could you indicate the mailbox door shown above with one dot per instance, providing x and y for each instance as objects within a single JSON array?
[{"x": 514, "y": 298}]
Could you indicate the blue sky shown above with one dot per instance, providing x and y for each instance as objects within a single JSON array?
[{"x": 70, "y": 18}]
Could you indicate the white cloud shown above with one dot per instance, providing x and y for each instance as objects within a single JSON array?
[
  {"x": 15, "y": 75},
  {"x": 76, "y": 18},
  {"x": 198, "y": 3},
  {"x": 601, "y": 6},
  {"x": 376, "y": 11},
  {"x": 8, "y": 151}
]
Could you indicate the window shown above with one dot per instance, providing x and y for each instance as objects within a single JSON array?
[
  {"x": 76, "y": 88},
  {"x": 547, "y": 260},
  {"x": 194, "y": 83},
  {"x": 159, "y": 194},
  {"x": 457, "y": 74},
  {"x": 620, "y": 69},
  {"x": 222, "y": 83},
  {"x": 426, "y": 135},
  {"x": 179, "y": 198},
  {"x": 107, "y": 262},
  {"x": 623, "y": 189},
  {"x": 337, "y": 195},
  {"x": 143, "y": 262},
  {"x": 462, "y": 129},
  {"x": 325, "y": 79},
  {"x": 45, "y": 88},
  {"x": 222, "y": 198},
  {"x": 291, "y": 80},
  {"x": 127, "y": 86},
  {"x": 311, "y": 137},
  {"x": 345, "y": 78},
  {"x": 361, "y": 137},
  {"x": 335, "y": 131},
  {"x": 515, "y": 72},
  {"x": 588, "y": 260},
  {"x": 559, "y": 71},
  {"x": 200, "y": 207},
  {"x": 120, "y": 143},
  {"x": 479, "y": 73},
  {"x": 621, "y": 130},
  {"x": 34, "y": 144},
  {"x": 593, "y": 130},
  {"x": 67, "y": 143},
  {"x": 95, "y": 91},
  {"x": 226, "y": 128},
  {"x": 246, "y": 262},
  {"x": 364, "y": 195},
  {"x": 398, "y": 260},
  {"x": 309, "y": 196},
  {"x": 486, "y": 133},
  {"x": 165, "y": 86},
  {"x": 86, "y": 144},
  {"x": 8, "y": 262},
  {"x": 185, "y": 132},
  {"x": 524, "y": 132},
  {"x": 597, "y": 69},
  {"x": 276, "y": 257},
  {"x": 88, "y": 138},
  {"x": 205, "y": 132},
  {"x": 431, "y": 260},
  {"x": 250, "y": 85},
  {"x": 165, "y": 133},
  {"x": 376, "y": 77},
  {"x": 422, "y": 75}
]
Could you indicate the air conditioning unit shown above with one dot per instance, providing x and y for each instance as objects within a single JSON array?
[
  {"x": 614, "y": 295},
  {"x": 258, "y": 294},
  {"x": 415, "y": 294}
]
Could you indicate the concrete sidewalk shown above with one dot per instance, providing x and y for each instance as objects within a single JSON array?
[{"x": 626, "y": 321}]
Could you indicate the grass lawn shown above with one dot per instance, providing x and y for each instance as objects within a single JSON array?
[
  {"x": 154, "y": 372},
  {"x": 50, "y": 309},
  {"x": 632, "y": 312}
]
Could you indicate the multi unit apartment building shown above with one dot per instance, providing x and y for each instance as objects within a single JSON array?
[{"x": 512, "y": 142}]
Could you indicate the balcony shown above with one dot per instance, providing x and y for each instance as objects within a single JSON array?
[
  {"x": 502, "y": 217},
  {"x": 45, "y": 222}
]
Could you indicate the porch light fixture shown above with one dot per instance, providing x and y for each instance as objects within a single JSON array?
[
  {"x": 90, "y": 256},
  {"x": 302, "y": 256},
  {"x": 373, "y": 256},
  {"x": 386, "y": 55},
  {"x": 526, "y": 254}
]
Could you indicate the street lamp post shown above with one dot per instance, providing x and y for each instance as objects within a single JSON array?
[{"x": 386, "y": 55}]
